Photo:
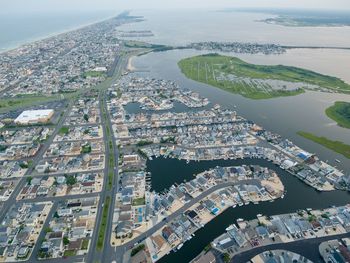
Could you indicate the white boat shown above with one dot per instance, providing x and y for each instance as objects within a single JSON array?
[
  {"x": 180, "y": 246},
  {"x": 338, "y": 161}
]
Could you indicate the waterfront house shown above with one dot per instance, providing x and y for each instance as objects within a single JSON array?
[
  {"x": 169, "y": 235},
  {"x": 158, "y": 242}
]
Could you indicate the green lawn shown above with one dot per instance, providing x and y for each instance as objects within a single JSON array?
[
  {"x": 63, "y": 130},
  {"x": 22, "y": 101},
  {"x": 138, "y": 201},
  {"x": 336, "y": 146},
  {"x": 103, "y": 225},
  {"x": 94, "y": 74},
  {"x": 340, "y": 112},
  {"x": 69, "y": 253},
  {"x": 204, "y": 69},
  {"x": 85, "y": 244}
]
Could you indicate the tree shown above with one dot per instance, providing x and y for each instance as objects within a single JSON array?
[
  {"x": 71, "y": 180},
  {"x": 29, "y": 180},
  {"x": 137, "y": 249},
  {"x": 207, "y": 247},
  {"x": 66, "y": 241},
  {"x": 56, "y": 215},
  {"x": 226, "y": 258}
]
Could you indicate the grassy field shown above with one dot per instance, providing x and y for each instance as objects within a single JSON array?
[
  {"x": 205, "y": 67},
  {"x": 25, "y": 101},
  {"x": 335, "y": 146},
  {"x": 94, "y": 74},
  {"x": 139, "y": 201},
  {"x": 340, "y": 112}
]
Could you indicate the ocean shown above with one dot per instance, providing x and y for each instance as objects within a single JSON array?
[{"x": 19, "y": 29}]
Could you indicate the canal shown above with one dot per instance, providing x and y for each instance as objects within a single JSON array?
[
  {"x": 134, "y": 108},
  {"x": 166, "y": 171}
]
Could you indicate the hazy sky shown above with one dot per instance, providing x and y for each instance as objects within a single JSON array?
[{"x": 10, "y": 6}]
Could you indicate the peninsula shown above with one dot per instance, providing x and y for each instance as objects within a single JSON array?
[{"x": 340, "y": 112}]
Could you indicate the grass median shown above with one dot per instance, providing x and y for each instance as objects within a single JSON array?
[{"x": 103, "y": 224}]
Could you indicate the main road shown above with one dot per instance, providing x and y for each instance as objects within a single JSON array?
[{"x": 108, "y": 190}]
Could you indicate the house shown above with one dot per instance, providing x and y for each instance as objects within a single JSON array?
[
  {"x": 262, "y": 231},
  {"x": 158, "y": 242},
  {"x": 169, "y": 235},
  {"x": 123, "y": 229}
]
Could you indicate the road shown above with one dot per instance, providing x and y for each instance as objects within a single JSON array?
[
  {"x": 301, "y": 247},
  {"x": 36, "y": 159},
  {"x": 94, "y": 255},
  {"x": 120, "y": 250},
  {"x": 39, "y": 156}
]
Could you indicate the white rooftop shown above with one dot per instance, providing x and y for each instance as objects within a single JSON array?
[{"x": 32, "y": 116}]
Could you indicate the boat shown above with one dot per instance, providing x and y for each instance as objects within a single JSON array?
[
  {"x": 338, "y": 161},
  {"x": 180, "y": 246}
]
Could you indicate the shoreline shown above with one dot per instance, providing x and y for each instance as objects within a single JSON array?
[
  {"x": 28, "y": 41},
  {"x": 130, "y": 67}
]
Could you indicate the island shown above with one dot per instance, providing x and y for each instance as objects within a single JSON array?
[
  {"x": 308, "y": 20},
  {"x": 257, "y": 81},
  {"x": 340, "y": 112}
]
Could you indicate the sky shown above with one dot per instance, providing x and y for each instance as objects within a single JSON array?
[{"x": 27, "y": 6}]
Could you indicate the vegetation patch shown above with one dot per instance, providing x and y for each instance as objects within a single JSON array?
[
  {"x": 137, "y": 249},
  {"x": 85, "y": 244},
  {"x": 335, "y": 146},
  {"x": 86, "y": 149},
  {"x": 340, "y": 113},
  {"x": 139, "y": 201},
  {"x": 144, "y": 143},
  {"x": 22, "y": 101},
  {"x": 63, "y": 130},
  {"x": 94, "y": 74},
  {"x": 253, "y": 81},
  {"x": 69, "y": 253}
]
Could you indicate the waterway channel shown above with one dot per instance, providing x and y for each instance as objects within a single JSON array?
[
  {"x": 285, "y": 116},
  {"x": 166, "y": 171}
]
